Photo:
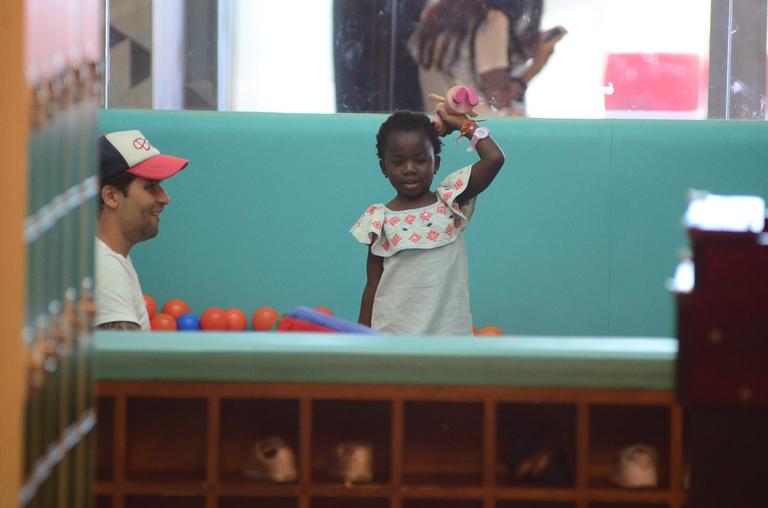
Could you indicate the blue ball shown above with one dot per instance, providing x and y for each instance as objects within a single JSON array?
[{"x": 188, "y": 322}]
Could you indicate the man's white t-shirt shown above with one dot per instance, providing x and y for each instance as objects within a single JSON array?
[{"x": 118, "y": 293}]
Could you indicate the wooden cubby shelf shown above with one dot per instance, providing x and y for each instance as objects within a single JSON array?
[{"x": 176, "y": 444}]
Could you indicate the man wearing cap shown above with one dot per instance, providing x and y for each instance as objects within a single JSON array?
[{"x": 131, "y": 201}]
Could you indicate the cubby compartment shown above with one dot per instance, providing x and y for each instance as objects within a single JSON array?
[
  {"x": 258, "y": 502},
  {"x": 166, "y": 440},
  {"x": 425, "y": 446},
  {"x": 246, "y": 422},
  {"x": 536, "y": 445},
  {"x": 442, "y": 503},
  {"x": 443, "y": 443},
  {"x": 613, "y": 429},
  {"x": 628, "y": 505},
  {"x": 348, "y": 436},
  {"x": 164, "y": 502},
  {"x": 533, "y": 504},
  {"x": 105, "y": 439},
  {"x": 348, "y": 502},
  {"x": 103, "y": 502}
]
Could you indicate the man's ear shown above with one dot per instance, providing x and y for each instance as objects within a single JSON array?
[
  {"x": 437, "y": 163},
  {"x": 109, "y": 196}
]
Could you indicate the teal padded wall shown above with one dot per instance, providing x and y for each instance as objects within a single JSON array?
[
  {"x": 653, "y": 164},
  {"x": 575, "y": 237}
]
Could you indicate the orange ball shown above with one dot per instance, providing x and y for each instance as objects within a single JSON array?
[
  {"x": 236, "y": 320},
  {"x": 324, "y": 310},
  {"x": 490, "y": 330},
  {"x": 176, "y": 308},
  {"x": 151, "y": 306},
  {"x": 213, "y": 319},
  {"x": 264, "y": 318},
  {"x": 474, "y": 330},
  {"x": 163, "y": 323}
]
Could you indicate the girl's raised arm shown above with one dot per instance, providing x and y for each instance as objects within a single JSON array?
[{"x": 491, "y": 156}]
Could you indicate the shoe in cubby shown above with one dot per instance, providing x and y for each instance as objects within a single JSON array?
[
  {"x": 351, "y": 442},
  {"x": 536, "y": 457},
  {"x": 258, "y": 441},
  {"x": 352, "y": 462},
  {"x": 614, "y": 430},
  {"x": 271, "y": 460},
  {"x": 536, "y": 445},
  {"x": 636, "y": 468}
]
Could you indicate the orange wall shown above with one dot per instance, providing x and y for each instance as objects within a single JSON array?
[{"x": 13, "y": 153}]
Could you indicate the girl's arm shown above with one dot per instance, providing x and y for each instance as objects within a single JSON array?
[
  {"x": 374, "y": 269},
  {"x": 484, "y": 170}
]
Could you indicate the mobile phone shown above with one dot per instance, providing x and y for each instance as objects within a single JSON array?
[{"x": 551, "y": 34}]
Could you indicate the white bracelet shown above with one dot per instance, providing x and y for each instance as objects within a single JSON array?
[{"x": 480, "y": 133}]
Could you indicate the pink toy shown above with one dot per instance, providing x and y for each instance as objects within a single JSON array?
[{"x": 458, "y": 101}]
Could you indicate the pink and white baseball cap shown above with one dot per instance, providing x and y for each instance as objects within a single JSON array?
[{"x": 131, "y": 152}]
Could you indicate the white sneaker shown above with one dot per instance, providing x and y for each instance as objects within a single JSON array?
[
  {"x": 352, "y": 462},
  {"x": 271, "y": 459},
  {"x": 637, "y": 467}
]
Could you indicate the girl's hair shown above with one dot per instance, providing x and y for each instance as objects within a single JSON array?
[
  {"x": 452, "y": 21},
  {"x": 407, "y": 121}
]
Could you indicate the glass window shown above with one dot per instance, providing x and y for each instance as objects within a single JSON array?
[{"x": 687, "y": 59}]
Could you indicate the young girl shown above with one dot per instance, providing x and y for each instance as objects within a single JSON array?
[{"x": 417, "y": 262}]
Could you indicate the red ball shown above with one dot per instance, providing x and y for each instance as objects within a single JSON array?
[
  {"x": 236, "y": 320},
  {"x": 176, "y": 308},
  {"x": 151, "y": 306},
  {"x": 324, "y": 310},
  {"x": 264, "y": 318},
  {"x": 163, "y": 323},
  {"x": 213, "y": 319}
]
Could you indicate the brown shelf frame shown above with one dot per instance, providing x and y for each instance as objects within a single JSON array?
[{"x": 398, "y": 493}]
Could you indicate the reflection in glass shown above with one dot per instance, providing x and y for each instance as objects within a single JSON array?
[
  {"x": 495, "y": 47},
  {"x": 281, "y": 60},
  {"x": 619, "y": 59}
]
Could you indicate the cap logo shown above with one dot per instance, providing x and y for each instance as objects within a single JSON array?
[{"x": 141, "y": 144}]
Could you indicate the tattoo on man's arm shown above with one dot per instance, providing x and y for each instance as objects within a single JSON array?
[{"x": 119, "y": 325}]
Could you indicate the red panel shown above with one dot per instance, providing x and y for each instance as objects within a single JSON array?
[{"x": 653, "y": 82}]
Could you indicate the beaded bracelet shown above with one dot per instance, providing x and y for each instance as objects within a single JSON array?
[
  {"x": 469, "y": 124},
  {"x": 467, "y": 128}
]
